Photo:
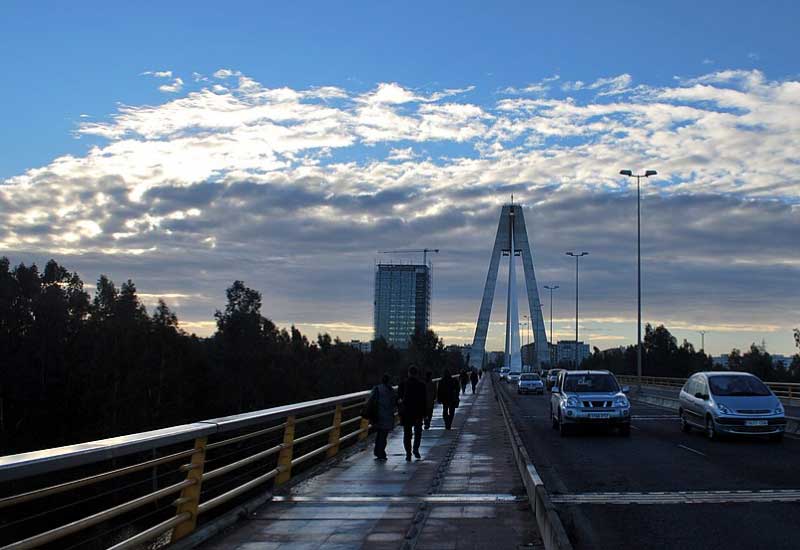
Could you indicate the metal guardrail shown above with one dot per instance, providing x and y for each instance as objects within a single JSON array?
[
  {"x": 265, "y": 445},
  {"x": 784, "y": 390}
]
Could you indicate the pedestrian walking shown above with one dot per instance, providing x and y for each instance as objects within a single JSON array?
[
  {"x": 379, "y": 410},
  {"x": 411, "y": 401},
  {"x": 430, "y": 398},
  {"x": 473, "y": 378},
  {"x": 447, "y": 394},
  {"x": 464, "y": 379}
]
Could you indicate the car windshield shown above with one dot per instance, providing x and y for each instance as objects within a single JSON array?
[
  {"x": 743, "y": 386},
  {"x": 590, "y": 383},
  {"x": 529, "y": 377}
]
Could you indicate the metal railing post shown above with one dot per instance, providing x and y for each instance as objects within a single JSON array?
[
  {"x": 333, "y": 437},
  {"x": 285, "y": 456},
  {"x": 190, "y": 496}
]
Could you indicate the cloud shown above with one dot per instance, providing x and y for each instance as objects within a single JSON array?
[
  {"x": 613, "y": 85},
  {"x": 401, "y": 154},
  {"x": 295, "y": 189},
  {"x": 535, "y": 88},
  {"x": 158, "y": 74},
  {"x": 173, "y": 87},
  {"x": 226, "y": 73}
]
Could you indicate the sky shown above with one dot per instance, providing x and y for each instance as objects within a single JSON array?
[{"x": 188, "y": 144}]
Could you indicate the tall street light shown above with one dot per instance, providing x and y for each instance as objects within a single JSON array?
[
  {"x": 702, "y": 340},
  {"x": 551, "y": 289},
  {"x": 576, "y": 256},
  {"x": 647, "y": 174},
  {"x": 528, "y": 324}
]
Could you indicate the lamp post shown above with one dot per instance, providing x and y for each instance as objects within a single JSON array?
[
  {"x": 702, "y": 341},
  {"x": 576, "y": 256},
  {"x": 638, "y": 177},
  {"x": 551, "y": 289},
  {"x": 527, "y": 324}
]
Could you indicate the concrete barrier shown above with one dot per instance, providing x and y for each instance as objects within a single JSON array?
[
  {"x": 792, "y": 423},
  {"x": 551, "y": 529}
]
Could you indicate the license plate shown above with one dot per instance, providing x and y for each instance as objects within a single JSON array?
[
  {"x": 755, "y": 423},
  {"x": 599, "y": 415}
]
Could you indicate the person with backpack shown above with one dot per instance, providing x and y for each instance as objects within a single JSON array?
[
  {"x": 379, "y": 410},
  {"x": 447, "y": 394},
  {"x": 411, "y": 400}
]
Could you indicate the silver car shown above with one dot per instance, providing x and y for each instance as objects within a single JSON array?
[
  {"x": 513, "y": 377},
  {"x": 589, "y": 397},
  {"x": 530, "y": 382},
  {"x": 730, "y": 403}
]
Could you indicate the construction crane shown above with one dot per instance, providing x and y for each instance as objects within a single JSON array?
[{"x": 424, "y": 252}]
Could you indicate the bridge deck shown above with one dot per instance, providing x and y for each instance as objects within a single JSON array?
[{"x": 464, "y": 493}]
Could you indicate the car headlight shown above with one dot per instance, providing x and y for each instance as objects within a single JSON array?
[
  {"x": 620, "y": 401},
  {"x": 779, "y": 409},
  {"x": 723, "y": 409},
  {"x": 572, "y": 402}
]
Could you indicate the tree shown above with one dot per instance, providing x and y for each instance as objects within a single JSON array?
[
  {"x": 757, "y": 361},
  {"x": 426, "y": 350}
]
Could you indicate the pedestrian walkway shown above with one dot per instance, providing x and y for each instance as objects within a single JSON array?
[{"x": 464, "y": 493}]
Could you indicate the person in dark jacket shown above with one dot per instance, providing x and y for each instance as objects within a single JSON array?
[
  {"x": 464, "y": 379},
  {"x": 412, "y": 398},
  {"x": 383, "y": 420},
  {"x": 447, "y": 394},
  {"x": 473, "y": 378},
  {"x": 430, "y": 398}
]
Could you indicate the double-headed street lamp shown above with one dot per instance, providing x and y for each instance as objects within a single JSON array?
[
  {"x": 576, "y": 256},
  {"x": 647, "y": 174},
  {"x": 551, "y": 289}
]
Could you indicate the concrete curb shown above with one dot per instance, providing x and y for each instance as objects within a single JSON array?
[
  {"x": 551, "y": 529},
  {"x": 792, "y": 423}
]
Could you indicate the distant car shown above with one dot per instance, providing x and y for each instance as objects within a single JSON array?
[
  {"x": 736, "y": 403},
  {"x": 530, "y": 382},
  {"x": 504, "y": 373},
  {"x": 589, "y": 397},
  {"x": 552, "y": 376},
  {"x": 513, "y": 377}
]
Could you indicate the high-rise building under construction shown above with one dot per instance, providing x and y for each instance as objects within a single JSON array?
[{"x": 402, "y": 301}]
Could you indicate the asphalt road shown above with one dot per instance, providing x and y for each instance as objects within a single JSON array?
[{"x": 661, "y": 488}]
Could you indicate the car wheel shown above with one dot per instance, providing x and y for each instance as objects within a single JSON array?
[
  {"x": 685, "y": 427},
  {"x": 711, "y": 431},
  {"x": 625, "y": 430}
]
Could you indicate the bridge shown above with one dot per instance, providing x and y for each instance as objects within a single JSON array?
[{"x": 301, "y": 476}]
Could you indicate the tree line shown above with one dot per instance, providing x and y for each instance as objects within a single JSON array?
[
  {"x": 76, "y": 367},
  {"x": 663, "y": 356}
]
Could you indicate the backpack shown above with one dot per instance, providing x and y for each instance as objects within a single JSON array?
[{"x": 370, "y": 408}]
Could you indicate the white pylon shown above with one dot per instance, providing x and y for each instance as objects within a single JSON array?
[{"x": 513, "y": 359}]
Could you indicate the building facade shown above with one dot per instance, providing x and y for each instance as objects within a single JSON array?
[
  {"x": 565, "y": 351},
  {"x": 402, "y": 302},
  {"x": 363, "y": 347}
]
